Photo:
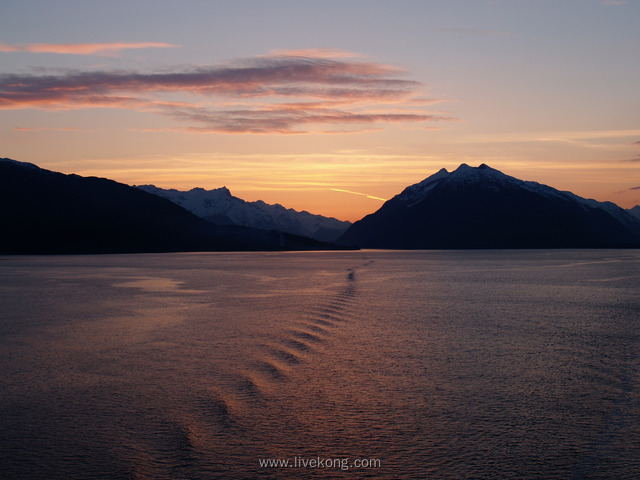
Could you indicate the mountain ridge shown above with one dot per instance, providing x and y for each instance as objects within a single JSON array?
[
  {"x": 221, "y": 207},
  {"x": 470, "y": 207},
  {"x": 481, "y": 207}
]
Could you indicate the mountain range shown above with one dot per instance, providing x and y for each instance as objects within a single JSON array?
[
  {"x": 222, "y": 208},
  {"x": 45, "y": 212},
  {"x": 49, "y": 212},
  {"x": 484, "y": 208}
]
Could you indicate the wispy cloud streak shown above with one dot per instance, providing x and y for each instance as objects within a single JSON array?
[
  {"x": 277, "y": 93},
  {"x": 50, "y": 129},
  {"x": 81, "y": 48}
]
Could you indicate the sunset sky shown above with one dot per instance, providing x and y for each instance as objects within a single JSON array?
[{"x": 329, "y": 106}]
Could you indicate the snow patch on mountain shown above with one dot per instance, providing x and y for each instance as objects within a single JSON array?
[{"x": 415, "y": 193}]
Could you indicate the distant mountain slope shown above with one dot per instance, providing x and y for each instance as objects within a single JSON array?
[
  {"x": 222, "y": 208},
  {"x": 635, "y": 211},
  {"x": 48, "y": 212},
  {"x": 484, "y": 208}
]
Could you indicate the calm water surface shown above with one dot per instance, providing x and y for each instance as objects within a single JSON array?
[{"x": 393, "y": 365}]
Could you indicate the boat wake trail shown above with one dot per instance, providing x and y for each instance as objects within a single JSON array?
[{"x": 307, "y": 335}]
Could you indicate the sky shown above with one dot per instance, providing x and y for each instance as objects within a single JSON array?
[{"x": 330, "y": 107}]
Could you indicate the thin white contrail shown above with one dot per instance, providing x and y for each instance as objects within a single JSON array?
[{"x": 358, "y": 193}]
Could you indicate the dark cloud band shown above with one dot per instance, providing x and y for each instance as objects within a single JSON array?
[{"x": 278, "y": 93}]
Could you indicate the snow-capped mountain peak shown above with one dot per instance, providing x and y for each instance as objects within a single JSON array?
[
  {"x": 458, "y": 178},
  {"x": 465, "y": 175},
  {"x": 417, "y": 192},
  {"x": 221, "y": 207}
]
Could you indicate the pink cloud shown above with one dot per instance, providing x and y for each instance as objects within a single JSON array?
[
  {"x": 49, "y": 129},
  {"x": 291, "y": 120},
  {"x": 81, "y": 48},
  {"x": 277, "y": 93}
]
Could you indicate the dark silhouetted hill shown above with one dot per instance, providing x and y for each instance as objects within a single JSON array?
[
  {"x": 484, "y": 208},
  {"x": 45, "y": 212}
]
